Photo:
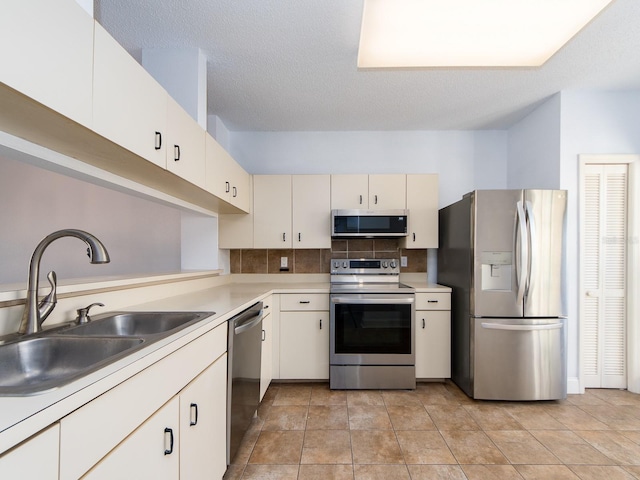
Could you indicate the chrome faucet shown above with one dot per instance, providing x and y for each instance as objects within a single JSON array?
[{"x": 35, "y": 313}]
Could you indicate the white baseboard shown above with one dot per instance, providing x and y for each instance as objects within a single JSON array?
[{"x": 573, "y": 386}]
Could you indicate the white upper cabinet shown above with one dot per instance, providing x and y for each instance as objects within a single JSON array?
[
  {"x": 372, "y": 192},
  {"x": 349, "y": 192},
  {"x": 185, "y": 145},
  {"x": 129, "y": 106},
  {"x": 46, "y": 48},
  {"x": 272, "y": 211},
  {"x": 387, "y": 192},
  {"x": 225, "y": 178},
  {"x": 311, "y": 211},
  {"x": 422, "y": 203},
  {"x": 291, "y": 211}
]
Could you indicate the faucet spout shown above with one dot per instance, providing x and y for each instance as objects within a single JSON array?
[{"x": 34, "y": 313}]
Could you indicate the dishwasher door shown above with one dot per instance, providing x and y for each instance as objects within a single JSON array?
[
  {"x": 243, "y": 374},
  {"x": 519, "y": 359}
]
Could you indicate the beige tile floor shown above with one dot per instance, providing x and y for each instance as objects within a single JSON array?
[{"x": 308, "y": 432}]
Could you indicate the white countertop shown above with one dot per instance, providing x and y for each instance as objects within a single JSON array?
[{"x": 23, "y": 416}]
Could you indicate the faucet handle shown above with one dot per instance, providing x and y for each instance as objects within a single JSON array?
[
  {"x": 48, "y": 303},
  {"x": 83, "y": 313}
]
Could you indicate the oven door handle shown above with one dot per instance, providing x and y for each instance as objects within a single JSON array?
[{"x": 375, "y": 301}]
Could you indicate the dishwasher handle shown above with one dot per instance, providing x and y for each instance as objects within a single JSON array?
[{"x": 248, "y": 320}]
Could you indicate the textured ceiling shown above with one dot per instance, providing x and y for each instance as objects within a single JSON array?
[{"x": 280, "y": 65}]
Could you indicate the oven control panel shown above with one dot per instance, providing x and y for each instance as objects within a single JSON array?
[{"x": 365, "y": 266}]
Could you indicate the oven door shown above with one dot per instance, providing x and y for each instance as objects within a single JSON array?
[{"x": 372, "y": 329}]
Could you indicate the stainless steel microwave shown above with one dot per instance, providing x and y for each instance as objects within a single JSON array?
[{"x": 369, "y": 223}]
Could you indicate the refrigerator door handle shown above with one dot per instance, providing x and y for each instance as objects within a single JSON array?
[
  {"x": 502, "y": 326},
  {"x": 522, "y": 255},
  {"x": 531, "y": 224}
]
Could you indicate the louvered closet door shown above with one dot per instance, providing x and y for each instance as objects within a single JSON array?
[{"x": 603, "y": 275}]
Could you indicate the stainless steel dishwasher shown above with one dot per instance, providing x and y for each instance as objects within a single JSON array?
[{"x": 243, "y": 374}]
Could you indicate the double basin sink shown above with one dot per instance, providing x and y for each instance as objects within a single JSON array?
[{"x": 54, "y": 358}]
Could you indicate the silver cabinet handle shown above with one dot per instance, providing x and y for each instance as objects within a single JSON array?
[
  {"x": 235, "y": 192},
  {"x": 158, "y": 141},
  {"x": 227, "y": 187},
  {"x": 176, "y": 153},
  {"x": 264, "y": 335}
]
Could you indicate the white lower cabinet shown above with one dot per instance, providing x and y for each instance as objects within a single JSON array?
[
  {"x": 304, "y": 345},
  {"x": 185, "y": 439},
  {"x": 433, "y": 335},
  {"x": 102, "y": 436},
  {"x": 266, "y": 370},
  {"x": 203, "y": 425},
  {"x": 152, "y": 451},
  {"x": 36, "y": 457}
]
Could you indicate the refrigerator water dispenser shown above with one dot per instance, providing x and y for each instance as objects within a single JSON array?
[{"x": 496, "y": 271}]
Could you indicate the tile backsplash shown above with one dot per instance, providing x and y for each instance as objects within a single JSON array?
[{"x": 319, "y": 260}]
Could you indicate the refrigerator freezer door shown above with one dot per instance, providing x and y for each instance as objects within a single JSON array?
[
  {"x": 519, "y": 359},
  {"x": 545, "y": 213},
  {"x": 494, "y": 221}
]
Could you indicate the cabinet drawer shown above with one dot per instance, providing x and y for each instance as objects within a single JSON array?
[
  {"x": 433, "y": 301},
  {"x": 304, "y": 301}
]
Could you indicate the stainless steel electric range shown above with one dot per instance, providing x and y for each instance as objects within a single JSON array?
[{"x": 372, "y": 337}]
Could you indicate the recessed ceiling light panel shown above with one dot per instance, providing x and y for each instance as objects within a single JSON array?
[{"x": 469, "y": 33}]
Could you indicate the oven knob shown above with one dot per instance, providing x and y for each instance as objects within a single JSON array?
[
  {"x": 385, "y": 264},
  {"x": 344, "y": 264},
  {"x": 336, "y": 264},
  {"x": 393, "y": 264}
]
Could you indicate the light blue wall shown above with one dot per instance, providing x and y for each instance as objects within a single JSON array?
[
  {"x": 463, "y": 159},
  {"x": 591, "y": 123},
  {"x": 534, "y": 148}
]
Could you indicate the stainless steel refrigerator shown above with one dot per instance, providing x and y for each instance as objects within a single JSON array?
[{"x": 501, "y": 252}]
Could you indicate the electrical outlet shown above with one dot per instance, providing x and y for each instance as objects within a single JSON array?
[
  {"x": 284, "y": 262},
  {"x": 403, "y": 261}
]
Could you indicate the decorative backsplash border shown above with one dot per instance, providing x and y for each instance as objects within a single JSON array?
[{"x": 319, "y": 260}]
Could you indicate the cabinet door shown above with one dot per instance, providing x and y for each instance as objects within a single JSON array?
[
  {"x": 433, "y": 344},
  {"x": 304, "y": 345},
  {"x": 46, "y": 48},
  {"x": 266, "y": 371},
  {"x": 129, "y": 106},
  {"x": 34, "y": 458},
  {"x": 349, "y": 192},
  {"x": 240, "y": 187},
  {"x": 311, "y": 211},
  {"x": 203, "y": 430},
  {"x": 151, "y": 451},
  {"x": 422, "y": 203},
  {"x": 217, "y": 169},
  {"x": 272, "y": 211},
  {"x": 185, "y": 145},
  {"x": 387, "y": 192}
]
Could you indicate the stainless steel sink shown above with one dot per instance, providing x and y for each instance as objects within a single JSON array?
[
  {"x": 136, "y": 324},
  {"x": 38, "y": 364}
]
